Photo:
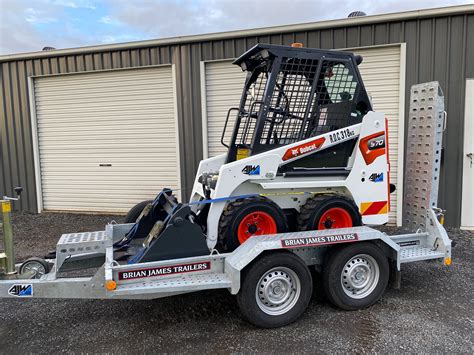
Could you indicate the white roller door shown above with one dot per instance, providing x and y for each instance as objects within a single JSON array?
[
  {"x": 224, "y": 83},
  {"x": 381, "y": 74},
  {"x": 105, "y": 140}
]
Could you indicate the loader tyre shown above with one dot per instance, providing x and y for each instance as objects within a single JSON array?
[
  {"x": 248, "y": 217},
  {"x": 355, "y": 276},
  {"x": 328, "y": 212},
  {"x": 275, "y": 291},
  {"x": 135, "y": 211}
]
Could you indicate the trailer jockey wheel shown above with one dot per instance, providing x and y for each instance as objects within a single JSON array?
[
  {"x": 35, "y": 267},
  {"x": 355, "y": 276},
  {"x": 249, "y": 217},
  {"x": 275, "y": 290},
  {"x": 328, "y": 212}
]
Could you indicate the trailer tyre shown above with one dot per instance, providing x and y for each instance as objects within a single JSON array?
[
  {"x": 275, "y": 290},
  {"x": 135, "y": 211},
  {"x": 355, "y": 276},
  {"x": 248, "y": 217}
]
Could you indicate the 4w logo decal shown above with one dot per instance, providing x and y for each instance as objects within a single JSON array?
[
  {"x": 376, "y": 177},
  {"x": 21, "y": 290},
  {"x": 251, "y": 170}
]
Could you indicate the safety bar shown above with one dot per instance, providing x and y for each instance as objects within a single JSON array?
[{"x": 225, "y": 125}]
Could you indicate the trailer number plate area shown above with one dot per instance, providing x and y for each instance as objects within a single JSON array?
[
  {"x": 320, "y": 240},
  {"x": 163, "y": 270}
]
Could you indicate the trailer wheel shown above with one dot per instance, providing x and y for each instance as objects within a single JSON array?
[
  {"x": 135, "y": 211},
  {"x": 355, "y": 276},
  {"x": 248, "y": 217},
  {"x": 275, "y": 291},
  {"x": 328, "y": 212},
  {"x": 36, "y": 265}
]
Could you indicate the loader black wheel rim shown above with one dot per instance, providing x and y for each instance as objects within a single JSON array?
[
  {"x": 360, "y": 276},
  {"x": 277, "y": 291}
]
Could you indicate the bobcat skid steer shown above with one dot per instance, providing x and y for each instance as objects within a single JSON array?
[{"x": 306, "y": 153}]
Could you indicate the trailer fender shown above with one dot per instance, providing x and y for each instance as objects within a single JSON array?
[{"x": 303, "y": 244}]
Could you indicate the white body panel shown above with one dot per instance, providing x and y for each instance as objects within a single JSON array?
[{"x": 234, "y": 182}]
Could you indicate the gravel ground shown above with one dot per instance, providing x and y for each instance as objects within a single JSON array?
[{"x": 433, "y": 312}]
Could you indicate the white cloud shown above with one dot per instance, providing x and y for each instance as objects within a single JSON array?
[
  {"x": 74, "y": 4},
  {"x": 109, "y": 20},
  {"x": 38, "y": 17},
  {"x": 118, "y": 38},
  {"x": 173, "y": 18}
]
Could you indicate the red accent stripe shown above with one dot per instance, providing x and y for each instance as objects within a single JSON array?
[{"x": 375, "y": 207}]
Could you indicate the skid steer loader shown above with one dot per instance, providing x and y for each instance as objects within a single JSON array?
[{"x": 306, "y": 153}]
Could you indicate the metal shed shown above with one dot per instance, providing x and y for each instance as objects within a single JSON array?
[{"x": 425, "y": 45}]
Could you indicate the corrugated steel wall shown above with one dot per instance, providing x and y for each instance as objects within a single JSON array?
[{"x": 440, "y": 48}]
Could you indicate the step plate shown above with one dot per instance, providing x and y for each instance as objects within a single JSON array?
[
  {"x": 185, "y": 283},
  {"x": 87, "y": 242},
  {"x": 418, "y": 253}
]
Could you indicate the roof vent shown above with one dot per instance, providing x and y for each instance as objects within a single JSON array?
[
  {"x": 48, "y": 48},
  {"x": 357, "y": 14}
]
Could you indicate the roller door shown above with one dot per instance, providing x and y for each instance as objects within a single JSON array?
[{"x": 105, "y": 140}]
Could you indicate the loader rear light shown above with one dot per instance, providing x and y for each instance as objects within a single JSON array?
[
  {"x": 110, "y": 285},
  {"x": 448, "y": 261}
]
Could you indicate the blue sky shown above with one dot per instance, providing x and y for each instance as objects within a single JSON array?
[{"x": 30, "y": 25}]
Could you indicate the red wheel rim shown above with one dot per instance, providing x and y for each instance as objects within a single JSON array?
[
  {"x": 335, "y": 217},
  {"x": 256, "y": 223}
]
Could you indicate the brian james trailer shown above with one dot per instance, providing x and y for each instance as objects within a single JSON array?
[{"x": 270, "y": 273}]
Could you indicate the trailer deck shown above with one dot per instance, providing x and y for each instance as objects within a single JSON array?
[{"x": 149, "y": 280}]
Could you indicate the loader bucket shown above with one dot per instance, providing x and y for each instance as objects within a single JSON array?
[{"x": 166, "y": 230}]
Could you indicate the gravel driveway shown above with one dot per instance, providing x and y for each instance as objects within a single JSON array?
[{"x": 433, "y": 312}]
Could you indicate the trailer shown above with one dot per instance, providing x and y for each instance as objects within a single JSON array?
[{"x": 271, "y": 275}]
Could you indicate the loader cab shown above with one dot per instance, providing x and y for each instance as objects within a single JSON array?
[{"x": 291, "y": 94}]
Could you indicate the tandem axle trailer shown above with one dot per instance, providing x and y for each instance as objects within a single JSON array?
[{"x": 271, "y": 275}]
